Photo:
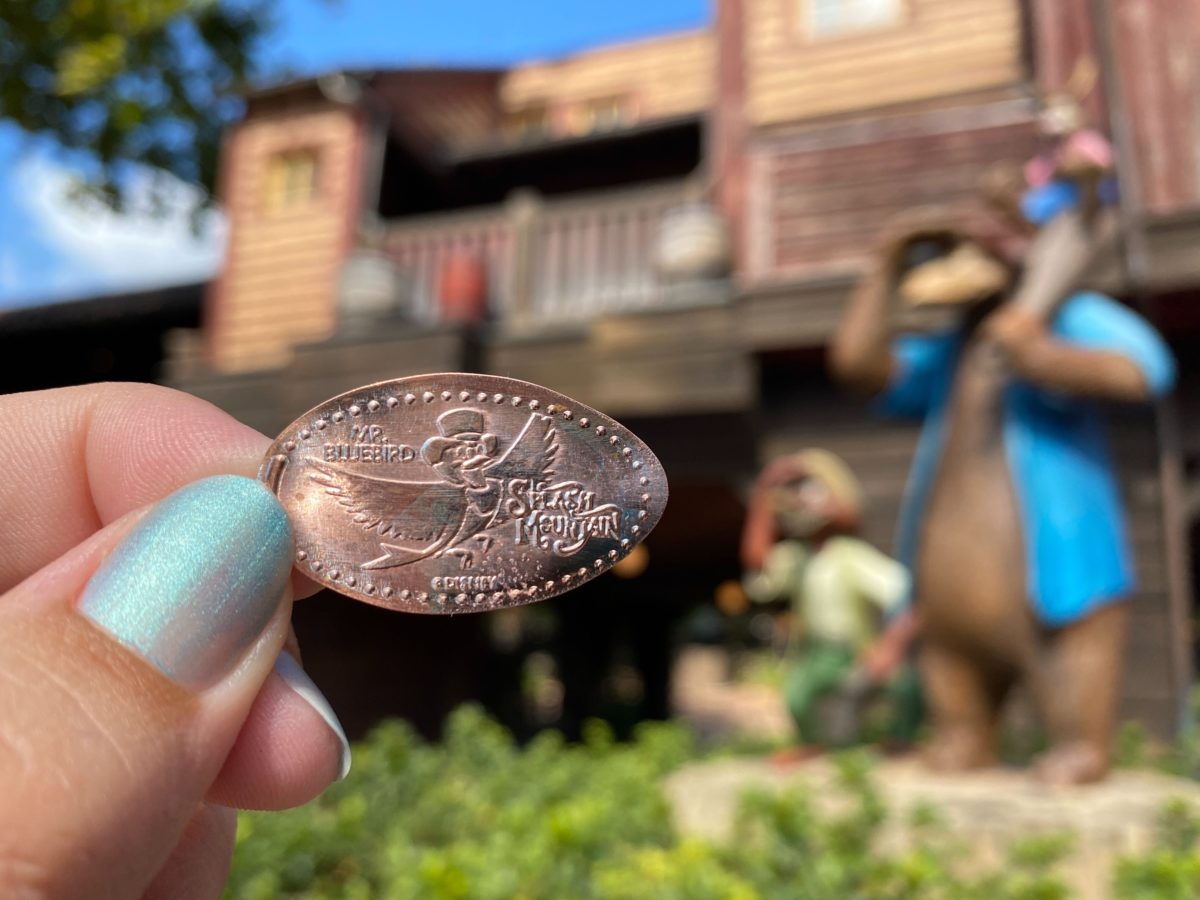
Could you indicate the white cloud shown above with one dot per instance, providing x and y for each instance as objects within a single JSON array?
[{"x": 106, "y": 251}]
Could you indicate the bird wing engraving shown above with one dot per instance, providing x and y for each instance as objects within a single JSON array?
[
  {"x": 426, "y": 514},
  {"x": 531, "y": 455}
]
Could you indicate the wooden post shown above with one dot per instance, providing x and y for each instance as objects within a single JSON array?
[
  {"x": 727, "y": 130},
  {"x": 1172, "y": 480},
  {"x": 524, "y": 210}
]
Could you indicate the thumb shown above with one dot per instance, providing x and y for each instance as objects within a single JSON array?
[{"x": 126, "y": 670}]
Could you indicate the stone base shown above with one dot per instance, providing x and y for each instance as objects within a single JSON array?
[
  {"x": 713, "y": 706},
  {"x": 988, "y": 809}
]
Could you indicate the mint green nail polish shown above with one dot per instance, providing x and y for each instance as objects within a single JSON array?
[{"x": 195, "y": 583}]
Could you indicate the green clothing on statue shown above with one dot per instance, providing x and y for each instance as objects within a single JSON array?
[
  {"x": 907, "y": 704},
  {"x": 837, "y": 591},
  {"x": 818, "y": 672},
  {"x": 822, "y": 670}
]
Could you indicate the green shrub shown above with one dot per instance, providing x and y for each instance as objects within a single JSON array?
[
  {"x": 1171, "y": 871},
  {"x": 474, "y": 817},
  {"x": 478, "y": 817},
  {"x": 786, "y": 848}
]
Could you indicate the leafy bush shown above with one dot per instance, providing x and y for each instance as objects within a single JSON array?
[
  {"x": 786, "y": 848},
  {"x": 1172, "y": 870},
  {"x": 479, "y": 817},
  {"x": 474, "y": 817}
]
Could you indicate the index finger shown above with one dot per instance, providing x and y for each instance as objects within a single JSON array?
[{"x": 75, "y": 459}]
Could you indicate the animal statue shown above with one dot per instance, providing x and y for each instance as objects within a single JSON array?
[
  {"x": 1012, "y": 523},
  {"x": 798, "y": 545}
]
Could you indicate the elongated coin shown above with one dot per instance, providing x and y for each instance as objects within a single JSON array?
[{"x": 458, "y": 493}]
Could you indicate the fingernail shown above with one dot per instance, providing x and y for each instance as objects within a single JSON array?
[
  {"x": 297, "y": 679},
  {"x": 198, "y": 579}
]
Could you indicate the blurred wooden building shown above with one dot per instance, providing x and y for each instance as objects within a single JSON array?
[
  {"x": 668, "y": 229},
  {"x": 106, "y": 337}
]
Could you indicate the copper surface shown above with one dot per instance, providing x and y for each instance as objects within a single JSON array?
[{"x": 458, "y": 493}]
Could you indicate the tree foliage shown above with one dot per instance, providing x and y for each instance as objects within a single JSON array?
[{"x": 152, "y": 82}]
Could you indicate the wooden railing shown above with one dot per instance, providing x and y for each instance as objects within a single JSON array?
[
  {"x": 546, "y": 260},
  {"x": 595, "y": 255},
  {"x": 421, "y": 247}
]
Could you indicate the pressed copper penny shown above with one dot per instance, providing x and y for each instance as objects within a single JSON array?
[{"x": 458, "y": 493}]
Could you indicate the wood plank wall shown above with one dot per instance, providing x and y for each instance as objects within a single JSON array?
[
  {"x": 815, "y": 413},
  {"x": 665, "y": 77},
  {"x": 818, "y": 199},
  {"x": 1158, "y": 55},
  {"x": 277, "y": 286},
  {"x": 937, "y": 47}
]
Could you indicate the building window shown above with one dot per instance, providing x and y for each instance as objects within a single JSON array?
[
  {"x": 834, "y": 18},
  {"x": 291, "y": 179},
  {"x": 604, "y": 113},
  {"x": 528, "y": 122}
]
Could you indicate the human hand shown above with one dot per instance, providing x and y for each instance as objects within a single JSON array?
[{"x": 140, "y": 694}]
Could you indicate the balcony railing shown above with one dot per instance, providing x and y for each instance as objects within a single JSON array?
[
  {"x": 556, "y": 260},
  {"x": 422, "y": 246}
]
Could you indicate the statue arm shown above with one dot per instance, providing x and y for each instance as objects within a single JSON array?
[
  {"x": 779, "y": 575},
  {"x": 1098, "y": 348},
  {"x": 883, "y": 581},
  {"x": 861, "y": 354},
  {"x": 1083, "y": 371},
  {"x": 888, "y": 651},
  {"x": 1065, "y": 249}
]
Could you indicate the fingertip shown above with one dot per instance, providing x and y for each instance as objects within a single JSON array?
[
  {"x": 294, "y": 676},
  {"x": 290, "y": 749},
  {"x": 186, "y": 438},
  {"x": 304, "y": 587}
]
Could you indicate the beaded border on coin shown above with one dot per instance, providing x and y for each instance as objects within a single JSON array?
[{"x": 573, "y": 421}]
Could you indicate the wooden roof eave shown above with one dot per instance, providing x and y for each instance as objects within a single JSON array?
[{"x": 493, "y": 150}]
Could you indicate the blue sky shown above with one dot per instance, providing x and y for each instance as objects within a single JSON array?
[{"x": 52, "y": 250}]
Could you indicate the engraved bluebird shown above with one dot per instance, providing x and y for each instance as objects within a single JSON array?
[{"x": 435, "y": 518}]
